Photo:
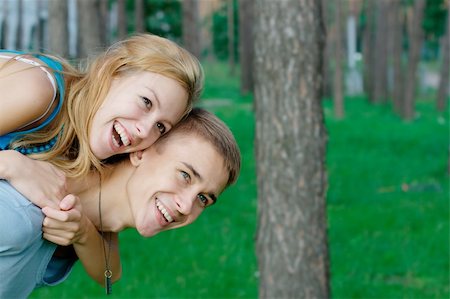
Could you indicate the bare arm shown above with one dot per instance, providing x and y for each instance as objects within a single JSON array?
[
  {"x": 41, "y": 182},
  {"x": 26, "y": 95},
  {"x": 68, "y": 225}
]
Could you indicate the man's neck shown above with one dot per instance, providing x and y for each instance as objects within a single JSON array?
[{"x": 115, "y": 209}]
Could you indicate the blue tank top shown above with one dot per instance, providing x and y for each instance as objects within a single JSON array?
[{"x": 7, "y": 139}]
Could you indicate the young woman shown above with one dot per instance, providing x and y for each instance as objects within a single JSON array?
[
  {"x": 128, "y": 97},
  {"x": 69, "y": 121}
]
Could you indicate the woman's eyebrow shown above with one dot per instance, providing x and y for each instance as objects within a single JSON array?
[{"x": 154, "y": 94}]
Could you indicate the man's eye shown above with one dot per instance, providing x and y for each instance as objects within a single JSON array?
[
  {"x": 161, "y": 128},
  {"x": 203, "y": 199},
  {"x": 147, "y": 102}
]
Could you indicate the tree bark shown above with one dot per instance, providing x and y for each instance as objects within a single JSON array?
[
  {"x": 416, "y": 39},
  {"x": 396, "y": 22},
  {"x": 290, "y": 149},
  {"x": 89, "y": 24},
  {"x": 121, "y": 20},
  {"x": 105, "y": 27},
  {"x": 5, "y": 25},
  {"x": 231, "y": 58},
  {"x": 58, "y": 29},
  {"x": 191, "y": 28},
  {"x": 246, "y": 44},
  {"x": 444, "y": 77},
  {"x": 327, "y": 52},
  {"x": 19, "y": 30},
  {"x": 338, "y": 86},
  {"x": 368, "y": 48},
  {"x": 139, "y": 9},
  {"x": 380, "y": 83}
]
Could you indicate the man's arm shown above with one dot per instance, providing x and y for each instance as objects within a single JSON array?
[{"x": 69, "y": 225}]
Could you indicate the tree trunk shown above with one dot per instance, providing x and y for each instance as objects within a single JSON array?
[
  {"x": 206, "y": 30},
  {"x": 444, "y": 77},
  {"x": 5, "y": 25},
  {"x": 19, "y": 30},
  {"x": 89, "y": 24},
  {"x": 415, "y": 38},
  {"x": 396, "y": 30},
  {"x": 368, "y": 48},
  {"x": 231, "y": 58},
  {"x": 191, "y": 28},
  {"x": 380, "y": 71},
  {"x": 121, "y": 20},
  {"x": 139, "y": 10},
  {"x": 327, "y": 52},
  {"x": 246, "y": 44},
  {"x": 58, "y": 29},
  {"x": 338, "y": 86},
  {"x": 105, "y": 27},
  {"x": 290, "y": 149}
]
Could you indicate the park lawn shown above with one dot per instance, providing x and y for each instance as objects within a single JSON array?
[
  {"x": 387, "y": 211},
  {"x": 388, "y": 202}
]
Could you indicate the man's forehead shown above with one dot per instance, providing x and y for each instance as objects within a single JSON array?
[{"x": 177, "y": 138}]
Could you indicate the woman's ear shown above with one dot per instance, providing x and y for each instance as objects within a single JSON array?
[{"x": 136, "y": 158}]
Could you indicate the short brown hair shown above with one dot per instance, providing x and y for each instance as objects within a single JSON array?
[{"x": 209, "y": 127}]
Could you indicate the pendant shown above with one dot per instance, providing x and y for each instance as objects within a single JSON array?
[{"x": 108, "y": 283}]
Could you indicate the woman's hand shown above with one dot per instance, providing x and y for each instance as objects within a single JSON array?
[
  {"x": 41, "y": 182},
  {"x": 67, "y": 224}
]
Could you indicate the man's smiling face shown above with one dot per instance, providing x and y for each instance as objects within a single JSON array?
[{"x": 173, "y": 182}]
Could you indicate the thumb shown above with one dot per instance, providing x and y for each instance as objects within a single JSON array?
[{"x": 68, "y": 202}]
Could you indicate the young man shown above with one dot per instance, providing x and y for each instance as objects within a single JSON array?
[{"x": 164, "y": 187}]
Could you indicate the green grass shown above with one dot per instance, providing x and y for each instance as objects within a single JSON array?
[
  {"x": 388, "y": 211},
  {"x": 388, "y": 202}
]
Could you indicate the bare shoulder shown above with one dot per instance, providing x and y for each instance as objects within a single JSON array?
[{"x": 26, "y": 94}]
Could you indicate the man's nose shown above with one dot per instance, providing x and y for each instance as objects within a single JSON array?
[{"x": 185, "y": 202}]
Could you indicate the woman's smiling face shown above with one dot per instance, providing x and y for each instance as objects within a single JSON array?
[{"x": 137, "y": 110}]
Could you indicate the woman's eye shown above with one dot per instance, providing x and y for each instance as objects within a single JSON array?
[
  {"x": 185, "y": 176},
  {"x": 147, "y": 102},
  {"x": 203, "y": 199},
  {"x": 161, "y": 128}
]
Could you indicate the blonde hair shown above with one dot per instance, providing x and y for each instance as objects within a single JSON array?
[{"x": 86, "y": 91}]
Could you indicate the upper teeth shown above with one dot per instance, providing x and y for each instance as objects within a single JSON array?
[
  {"x": 164, "y": 211},
  {"x": 122, "y": 134}
]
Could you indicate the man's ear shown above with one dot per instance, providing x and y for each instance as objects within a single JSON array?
[{"x": 136, "y": 158}]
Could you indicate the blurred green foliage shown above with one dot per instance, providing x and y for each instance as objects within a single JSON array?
[
  {"x": 435, "y": 15},
  {"x": 434, "y": 27},
  {"x": 164, "y": 18},
  {"x": 220, "y": 31}
]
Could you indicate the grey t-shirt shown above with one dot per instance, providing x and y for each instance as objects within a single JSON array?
[{"x": 25, "y": 257}]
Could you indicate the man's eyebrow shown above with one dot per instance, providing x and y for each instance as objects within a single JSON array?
[{"x": 191, "y": 168}]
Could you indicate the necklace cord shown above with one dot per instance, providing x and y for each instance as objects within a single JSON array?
[{"x": 108, "y": 272}]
